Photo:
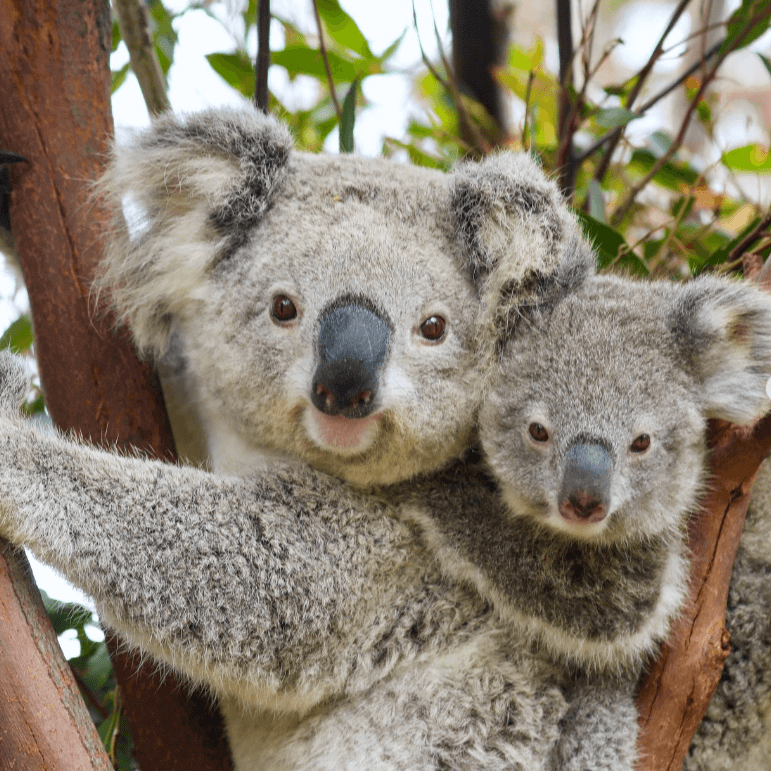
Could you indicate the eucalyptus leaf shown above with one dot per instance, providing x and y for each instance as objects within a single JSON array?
[
  {"x": 752, "y": 158},
  {"x": 613, "y": 117},
  {"x": 348, "y": 118},
  {"x": 18, "y": 336}
]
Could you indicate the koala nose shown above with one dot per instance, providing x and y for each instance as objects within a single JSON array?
[
  {"x": 351, "y": 348},
  {"x": 585, "y": 493}
]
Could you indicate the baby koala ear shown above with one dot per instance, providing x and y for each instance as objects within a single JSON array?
[
  {"x": 14, "y": 382},
  {"x": 723, "y": 332}
]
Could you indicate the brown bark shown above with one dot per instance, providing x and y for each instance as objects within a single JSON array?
[
  {"x": 44, "y": 725},
  {"x": 676, "y": 691},
  {"x": 54, "y": 78}
]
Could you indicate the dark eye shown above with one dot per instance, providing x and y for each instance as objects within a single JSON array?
[
  {"x": 538, "y": 432},
  {"x": 283, "y": 309},
  {"x": 433, "y": 328},
  {"x": 641, "y": 444}
]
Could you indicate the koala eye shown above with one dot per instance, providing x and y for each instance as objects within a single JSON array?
[
  {"x": 283, "y": 309},
  {"x": 641, "y": 443},
  {"x": 538, "y": 432},
  {"x": 433, "y": 328}
]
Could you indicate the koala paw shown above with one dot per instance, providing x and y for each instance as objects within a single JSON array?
[{"x": 14, "y": 382}]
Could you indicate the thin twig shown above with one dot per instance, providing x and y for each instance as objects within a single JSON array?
[
  {"x": 653, "y": 100},
  {"x": 134, "y": 21},
  {"x": 261, "y": 95},
  {"x": 528, "y": 94},
  {"x": 323, "y": 48},
  {"x": 450, "y": 85},
  {"x": 626, "y": 204},
  {"x": 565, "y": 161},
  {"x": 602, "y": 166},
  {"x": 757, "y": 232}
]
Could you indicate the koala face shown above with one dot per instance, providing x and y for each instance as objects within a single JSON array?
[
  {"x": 325, "y": 308},
  {"x": 596, "y": 425},
  {"x": 342, "y": 330}
]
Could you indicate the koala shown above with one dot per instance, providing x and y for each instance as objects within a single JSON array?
[
  {"x": 736, "y": 729},
  {"x": 322, "y": 308},
  {"x": 451, "y": 620}
]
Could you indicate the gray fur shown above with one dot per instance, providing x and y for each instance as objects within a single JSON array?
[
  {"x": 388, "y": 628},
  {"x": 223, "y": 216}
]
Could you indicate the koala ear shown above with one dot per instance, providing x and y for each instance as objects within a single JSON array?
[
  {"x": 723, "y": 332},
  {"x": 184, "y": 194},
  {"x": 522, "y": 243}
]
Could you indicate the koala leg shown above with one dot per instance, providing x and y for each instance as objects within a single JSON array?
[{"x": 599, "y": 731}]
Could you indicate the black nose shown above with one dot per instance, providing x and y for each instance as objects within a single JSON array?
[
  {"x": 585, "y": 494},
  {"x": 351, "y": 348}
]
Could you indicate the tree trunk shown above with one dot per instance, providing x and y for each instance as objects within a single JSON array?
[
  {"x": 55, "y": 81},
  {"x": 478, "y": 45},
  {"x": 675, "y": 693}
]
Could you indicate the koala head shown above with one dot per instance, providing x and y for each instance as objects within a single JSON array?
[
  {"x": 595, "y": 427},
  {"x": 325, "y": 307}
]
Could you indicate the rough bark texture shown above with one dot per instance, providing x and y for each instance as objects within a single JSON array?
[
  {"x": 478, "y": 45},
  {"x": 44, "y": 725},
  {"x": 54, "y": 78},
  {"x": 675, "y": 693}
]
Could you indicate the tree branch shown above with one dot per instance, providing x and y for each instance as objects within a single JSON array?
[
  {"x": 134, "y": 21},
  {"x": 675, "y": 693},
  {"x": 565, "y": 162},
  {"x": 261, "y": 95},
  {"x": 324, "y": 56}
]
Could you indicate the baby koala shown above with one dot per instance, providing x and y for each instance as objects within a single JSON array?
[{"x": 594, "y": 431}]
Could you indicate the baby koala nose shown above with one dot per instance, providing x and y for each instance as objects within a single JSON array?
[{"x": 585, "y": 493}]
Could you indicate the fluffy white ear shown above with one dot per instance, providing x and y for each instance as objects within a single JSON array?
[
  {"x": 184, "y": 194},
  {"x": 723, "y": 331}
]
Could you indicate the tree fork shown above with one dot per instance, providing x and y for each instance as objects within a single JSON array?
[{"x": 55, "y": 81}]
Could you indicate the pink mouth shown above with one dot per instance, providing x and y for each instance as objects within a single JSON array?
[{"x": 344, "y": 433}]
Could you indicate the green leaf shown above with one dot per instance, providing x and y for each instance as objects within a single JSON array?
[
  {"x": 752, "y": 158},
  {"x": 610, "y": 247},
  {"x": 659, "y": 143},
  {"x": 66, "y": 615},
  {"x": 164, "y": 36},
  {"x": 236, "y": 70},
  {"x": 739, "y": 21},
  {"x": 596, "y": 201},
  {"x": 303, "y": 60},
  {"x": 672, "y": 175},
  {"x": 613, "y": 117},
  {"x": 766, "y": 62},
  {"x": 343, "y": 29},
  {"x": 348, "y": 118},
  {"x": 18, "y": 336},
  {"x": 721, "y": 255},
  {"x": 119, "y": 77},
  {"x": 116, "y": 35}
]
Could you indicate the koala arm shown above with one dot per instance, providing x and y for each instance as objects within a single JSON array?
[{"x": 235, "y": 582}]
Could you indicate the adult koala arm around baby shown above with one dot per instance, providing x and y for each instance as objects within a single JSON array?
[{"x": 233, "y": 581}]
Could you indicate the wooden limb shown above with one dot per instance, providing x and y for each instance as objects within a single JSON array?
[
  {"x": 675, "y": 693},
  {"x": 261, "y": 94},
  {"x": 44, "y": 724},
  {"x": 60, "y": 120},
  {"x": 134, "y": 21}
]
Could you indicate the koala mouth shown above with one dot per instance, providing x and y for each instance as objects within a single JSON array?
[{"x": 341, "y": 435}]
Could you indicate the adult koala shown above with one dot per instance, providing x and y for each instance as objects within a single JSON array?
[{"x": 321, "y": 304}]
